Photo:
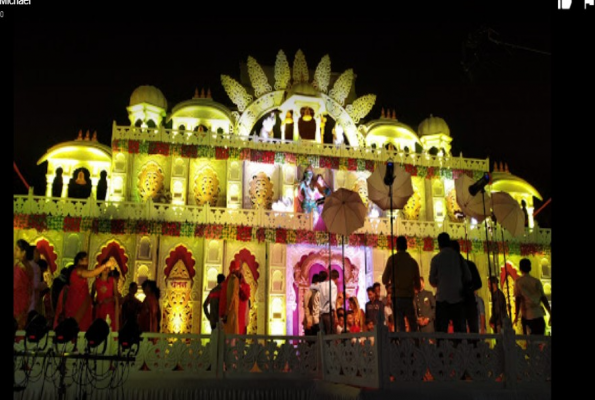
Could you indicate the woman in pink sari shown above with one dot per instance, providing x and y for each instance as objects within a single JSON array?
[
  {"x": 75, "y": 300},
  {"x": 22, "y": 283}
]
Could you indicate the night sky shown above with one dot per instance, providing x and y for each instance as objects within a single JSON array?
[{"x": 495, "y": 98}]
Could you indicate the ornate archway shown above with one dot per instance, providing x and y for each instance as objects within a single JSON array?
[
  {"x": 48, "y": 253},
  {"x": 312, "y": 263},
  {"x": 114, "y": 249},
  {"x": 177, "y": 304},
  {"x": 247, "y": 261}
]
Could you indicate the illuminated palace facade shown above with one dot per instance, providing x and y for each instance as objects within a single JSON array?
[{"x": 183, "y": 193}]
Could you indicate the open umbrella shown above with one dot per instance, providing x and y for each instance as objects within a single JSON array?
[
  {"x": 343, "y": 213},
  {"x": 378, "y": 191},
  {"x": 508, "y": 213},
  {"x": 390, "y": 197},
  {"x": 475, "y": 206}
]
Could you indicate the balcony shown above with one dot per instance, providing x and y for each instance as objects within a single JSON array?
[
  {"x": 207, "y": 215},
  {"x": 213, "y": 139}
]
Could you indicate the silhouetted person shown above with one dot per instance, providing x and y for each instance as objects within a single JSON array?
[
  {"x": 524, "y": 207},
  {"x": 102, "y": 186},
  {"x": 57, "y": 184}
]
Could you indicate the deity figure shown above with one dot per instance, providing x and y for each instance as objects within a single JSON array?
[
  {"x": 338, "y": 138},
  {"x": 311, "y": 194},
  {"x": 268, "y": 123}
]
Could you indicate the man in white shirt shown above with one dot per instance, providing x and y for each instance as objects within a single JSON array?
[{"x": 328, "y": 301}]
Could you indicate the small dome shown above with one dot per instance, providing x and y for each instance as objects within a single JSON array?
[
  {"x": 148, "y": 94},
  {"x": 433, "y": 126}
]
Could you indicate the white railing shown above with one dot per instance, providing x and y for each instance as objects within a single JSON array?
[
  {"x": 256, "y": 218},
  {"x": 376, "y": 359},
  {"x": 289, "y": 146}
]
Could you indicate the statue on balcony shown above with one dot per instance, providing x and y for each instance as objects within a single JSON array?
[
  {"x": 311, "y": 194},
  {"x": 312, "y": 191},
  {"x": 79, "y": 186},
  {"x": 266, "y": 132}
]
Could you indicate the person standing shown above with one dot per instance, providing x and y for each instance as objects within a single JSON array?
[
  {"x": 469, "y": 292},
  {"x": 499, "y": 309},
  {"x": 529, "y": 296},
  {"x": 130, "y": 306},
  {"x": 405, "y": 271},
  {"x": 104, "y": 293},
  {"x": 211, "y": 303},
  {"x": 448, "y": 272},
  {"x": 22, "y": 283},
  {"x": 311, "y": 322},
  {"x": 481, "y": 313},
  {"x": 75, "y": 299},
  {"x": 149, "y": 318},
  {"x": 328, "y": 301},
  {"x": 425, "y": 307},
  {"x": 374, "y": 308}
]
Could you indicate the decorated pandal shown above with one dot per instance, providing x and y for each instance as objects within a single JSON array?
[{"x": 184, "y": 193}]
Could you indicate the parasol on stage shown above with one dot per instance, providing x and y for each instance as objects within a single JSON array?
[
  {"x": 343, "y": 213},
  {"x": 389, "y": 187},
  {"x": 509, "y": 214},
  {"x": 476, "y": 206},
  {"x": 378, "y": 190}
]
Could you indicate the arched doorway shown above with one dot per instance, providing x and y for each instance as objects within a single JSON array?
[{"x": 311, "y": 264}]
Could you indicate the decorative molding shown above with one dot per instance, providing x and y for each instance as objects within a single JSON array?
[
  {"x": 236, "y": 92},
  {"x": 258, "y": 78},
  {"x": 342, "y": 87}
]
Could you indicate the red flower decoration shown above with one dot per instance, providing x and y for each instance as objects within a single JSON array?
[
  {"x": 118, "y": 226},
  {"x": 281, "y": 236},
  {"x": 261, "y": 235},
  {"x": 428, "y": 244},
  {"x": 268, "y": 157},
  {"x": 221, "y": 153},
  {"x": 190, "y": 151},
  {"x": 159, "y": 148},
  {"x": 171, "y": 228},
  {"x": 133, "y": 146},
  {"x": 352, "y": 164},
  {"x": 72, "y": 224},
  {"x": 199, "y": 231},
  {"x": 244, "y": 233}
]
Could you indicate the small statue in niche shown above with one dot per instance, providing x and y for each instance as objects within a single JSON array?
[
  {"x": 80, "y": 187},
  {"x": 338, "y": 138},
  {"x": 266, "y": 132}
]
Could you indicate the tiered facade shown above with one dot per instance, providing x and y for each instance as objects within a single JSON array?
[{"x": 182, "y": 194}]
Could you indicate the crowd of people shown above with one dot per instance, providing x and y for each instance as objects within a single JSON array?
[
  {"x": 456, "y": 306},
  {"x": 68, "y": 295}
]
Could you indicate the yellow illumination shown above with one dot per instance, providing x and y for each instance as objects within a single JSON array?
[
  {"x": 307, "y": 116},
  {"x": 288, "y": 119}
]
